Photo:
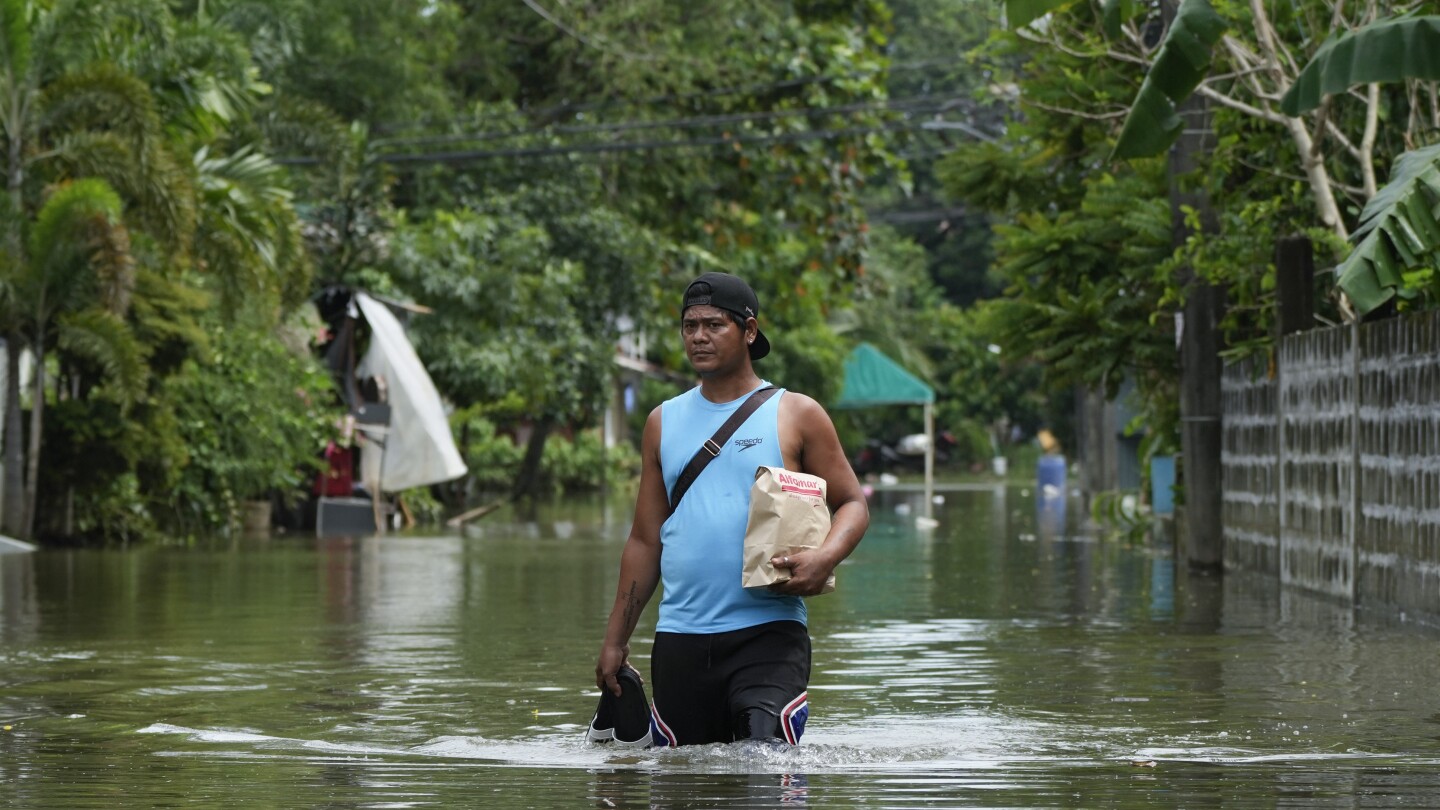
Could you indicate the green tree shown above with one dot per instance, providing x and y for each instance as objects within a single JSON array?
[
  {"x": 91, "y": 131},
  {"x": 77, "y": 281},
  {"x": 125, "y": 128},
  {"x": 1250, "y": 60},
  {"x": 249, "y": 240},
  {"x": 936, "y": 63},
  {"x": 902, "y": 311},
  {"x": 744, "y": 133},
  {"x": 640, "y": 142},
  {"x": 530, "y": 293},
  {"x": 1082, "y": 248},
  {"x": 380, "y": 63},
  {"x": 253, "y": 417},
  {"x": 1398, "y": 237}
]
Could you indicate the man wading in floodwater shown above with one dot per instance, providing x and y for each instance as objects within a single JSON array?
[{"x": 728, "y": 663}]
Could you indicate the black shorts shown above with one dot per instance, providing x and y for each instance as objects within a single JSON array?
[{"x": 701, "y": 682}]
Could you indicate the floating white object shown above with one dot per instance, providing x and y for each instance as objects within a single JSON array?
[
  {"x": 926, "y": 523},
  {"x": 10, "y": 544},
  {"x": 913, "y": 445},
  {"x": 938, "y": 499},
  {"x": 902, "y": 508},
  {"x": 888, "y": 480}
]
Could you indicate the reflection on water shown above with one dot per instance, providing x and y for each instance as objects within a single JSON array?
[{"x": 1008, "y": 658}]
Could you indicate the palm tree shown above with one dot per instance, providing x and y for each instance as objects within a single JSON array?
[
  {"x": 76, "y": 287},
  {"x": 249, "y": 240},
  {"x": 78, "y": 137},
  {"x": 17, "y": 98}
]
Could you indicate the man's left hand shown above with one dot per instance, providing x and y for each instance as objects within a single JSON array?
[{"x": 808, "y": 574}]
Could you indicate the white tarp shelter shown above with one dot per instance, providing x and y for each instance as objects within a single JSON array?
[{"x": 419, "y": 448}]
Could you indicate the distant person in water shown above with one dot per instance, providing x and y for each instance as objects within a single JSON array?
[{"x": 728, "y": 663}]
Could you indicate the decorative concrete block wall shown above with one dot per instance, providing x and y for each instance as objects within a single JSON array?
[
  {"x": 1398, "y": 531},
  {"x": 1317, "y": 455},
  {"x": 1249, "y": 464},
  {"x": 1331, "y": 463}
]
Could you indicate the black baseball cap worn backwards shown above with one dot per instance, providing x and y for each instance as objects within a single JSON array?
[{"x": 724, "y": 291}]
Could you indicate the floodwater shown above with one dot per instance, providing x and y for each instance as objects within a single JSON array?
[{"x": 998, "y": 661}]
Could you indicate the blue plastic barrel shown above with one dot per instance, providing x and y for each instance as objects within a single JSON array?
[
  {"x": 1050, "y": 474},
  {"x": 1162, "y": 482}
]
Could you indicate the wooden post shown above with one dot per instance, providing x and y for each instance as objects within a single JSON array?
[
  {"x": 1295, "y": 284},
  {"x": 930, "y": 461},
  {"x": 1200, "y": 436}
]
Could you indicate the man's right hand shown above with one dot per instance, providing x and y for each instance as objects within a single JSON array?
[{"x": 612, "y": 658}]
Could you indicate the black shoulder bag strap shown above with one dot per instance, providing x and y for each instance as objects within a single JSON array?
[{"x": 712, "y": 446}]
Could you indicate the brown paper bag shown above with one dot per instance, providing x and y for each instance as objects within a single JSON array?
[{"x": 788, "y": 513}]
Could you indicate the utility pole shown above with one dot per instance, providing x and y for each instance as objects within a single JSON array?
[{"x": 1200, "y": 342}]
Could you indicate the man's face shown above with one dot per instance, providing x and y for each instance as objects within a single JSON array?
[{"x": 714, "y": 343}]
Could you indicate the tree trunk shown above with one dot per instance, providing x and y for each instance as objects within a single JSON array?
[
  {"x": 14, "y": 505},
  {"x": 1312, "y": 161},
  {"x": 527, "y": 482},
  {"x": 14, "y": 471},
  {"x": 32, "y": 460},
  {"x": 1314, "y": 164}
]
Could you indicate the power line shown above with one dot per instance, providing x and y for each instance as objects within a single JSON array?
[
  {"x": 914, "y": 104},
  {"x": 466, "y": 156},
  {"x": 931, "y": 215},
  {"x": 962, "y": 126},
  {"x": 550, "y": 18},
  {"x": 735, "y": 90},
  {"x": 589, "y": 42}
]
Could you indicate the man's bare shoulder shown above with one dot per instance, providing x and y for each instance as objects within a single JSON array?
[
  {"x": 650, "y": 438},
  {"x": 801, "y": 406},
  {"x": 803, "y": 422}
]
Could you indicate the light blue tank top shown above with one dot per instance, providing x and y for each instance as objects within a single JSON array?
[{"x": 702, "y": 540}]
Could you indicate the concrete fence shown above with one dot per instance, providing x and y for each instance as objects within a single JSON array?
[{"x": 1331, "y": 463}]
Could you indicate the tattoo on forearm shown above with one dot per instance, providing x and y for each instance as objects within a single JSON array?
[{"x": 631, "y": 606}]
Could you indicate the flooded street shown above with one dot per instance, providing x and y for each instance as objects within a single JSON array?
[{"x": 998, "y": 661}]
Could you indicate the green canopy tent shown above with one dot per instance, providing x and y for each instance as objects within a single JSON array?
[{"x": 873, "y": 379}]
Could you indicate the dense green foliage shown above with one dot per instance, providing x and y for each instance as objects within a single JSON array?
[
  {"x": 1088, "y": 247},
  {"x": 242, "y": 411},
  {"x": 1081, "y": 245},
  {"x": 135, "y": 205},
  {"x": 183, "y": 176}
]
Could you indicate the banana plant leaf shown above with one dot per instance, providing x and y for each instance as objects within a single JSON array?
[
  {"x": 1113, "y": 14},
  {"x": 1391, "y": 50},
  {"x": 1184, "y": 60},
  {"x": 1398, "y": 231}
]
